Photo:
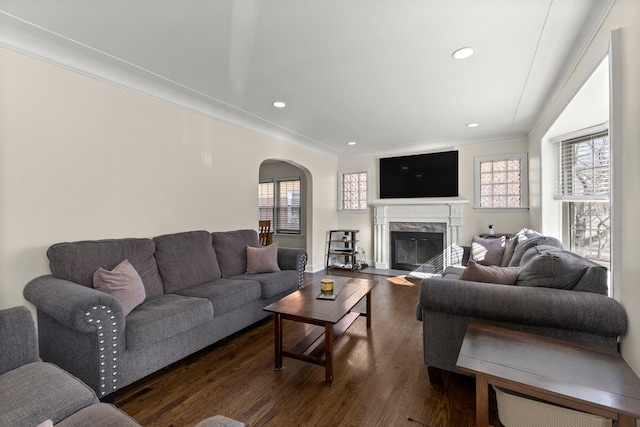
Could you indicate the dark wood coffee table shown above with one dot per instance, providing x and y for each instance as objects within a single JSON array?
[
  {"x": 588, "y": 379},
  {"x": 333, "y": 318}
]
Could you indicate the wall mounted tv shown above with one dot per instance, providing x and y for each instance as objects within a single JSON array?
[{"x": 421, "y": 175}]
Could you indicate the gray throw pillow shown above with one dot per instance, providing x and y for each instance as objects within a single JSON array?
[
  {"x": 551, "y": 267},
  {"x": 487, "y": 251},
  {"x": 527, "y": 242},
  {"x": 509, "y": 249},
  {"x": 263, "y": 259},
  {"x": 123, "y": 283},
  {"x": 489, "y": 274}
]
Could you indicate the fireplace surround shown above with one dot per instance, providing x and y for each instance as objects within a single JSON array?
[{"x": 429, "y": 216}]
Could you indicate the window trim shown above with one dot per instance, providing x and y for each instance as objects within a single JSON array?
[
  {"x": 524, "y": 182},
  {"x": 341, "y": 173}
]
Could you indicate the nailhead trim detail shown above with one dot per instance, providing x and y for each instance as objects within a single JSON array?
[
  {"x": 95, "y": 316},
  {"x": 302, "y": 263}
]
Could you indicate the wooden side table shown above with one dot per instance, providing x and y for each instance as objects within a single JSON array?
[{"x": 588, "y": 379}]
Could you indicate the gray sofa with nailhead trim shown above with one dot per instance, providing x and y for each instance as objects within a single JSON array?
[
  {"x": 33, "y": 391},
  {"x": 197, "y": 293}
]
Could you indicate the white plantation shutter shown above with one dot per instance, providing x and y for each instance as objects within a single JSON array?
[{"x": 583, "y": 171}]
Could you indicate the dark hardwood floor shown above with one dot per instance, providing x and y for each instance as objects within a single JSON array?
[{"x": 379, "y": 378}]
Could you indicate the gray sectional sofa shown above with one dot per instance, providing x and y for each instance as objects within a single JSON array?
[
  {"x": 196, "y": 292},
  {"x": 532, "y": 286},
  {"x": 34, "y": 392}
]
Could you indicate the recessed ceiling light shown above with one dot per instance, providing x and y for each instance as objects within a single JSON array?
[
  {"x": 351, "y": 143},
  {"x": 473, "y": 125},
  {"x": 463, "y": 53},
  {"x": 279, "y": 104}
]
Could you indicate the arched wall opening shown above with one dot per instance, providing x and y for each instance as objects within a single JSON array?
[{"x": 281, "y": 169}]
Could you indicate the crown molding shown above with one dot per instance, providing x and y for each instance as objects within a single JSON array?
[{"x": 34, "y": 41}]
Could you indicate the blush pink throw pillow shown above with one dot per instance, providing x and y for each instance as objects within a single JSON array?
[
  {"x": 263, "y": 259},
  {"x": 123, "y": 283}
]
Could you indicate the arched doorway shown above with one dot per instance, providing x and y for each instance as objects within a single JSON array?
[{"x": 281, "y": 175}]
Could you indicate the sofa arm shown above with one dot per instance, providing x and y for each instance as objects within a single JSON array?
[
  {"x": 70, "y": 303},
  {"x": 293, "y": 259},
  {"x": 18, "y": 338},
  {"x": 80, "y": 329},
  {"x": 534, "y": 306}
]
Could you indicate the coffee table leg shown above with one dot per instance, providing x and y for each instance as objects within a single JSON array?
[
  {"x": 278, "y": 343},
  {"x": 328, "y": 351},
  {"x": 368, "y": 297}
]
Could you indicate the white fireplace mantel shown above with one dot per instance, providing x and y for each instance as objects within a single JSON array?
[{"x": 444, "y": 211}]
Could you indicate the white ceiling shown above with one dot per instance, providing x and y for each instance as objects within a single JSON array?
[{"x": 378, "y": 72}]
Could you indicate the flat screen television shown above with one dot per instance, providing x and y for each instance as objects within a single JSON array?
[{"x": 421, "y": 175}]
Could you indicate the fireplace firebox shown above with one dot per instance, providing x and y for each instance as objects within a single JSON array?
[{"x": 412, "y": 249}]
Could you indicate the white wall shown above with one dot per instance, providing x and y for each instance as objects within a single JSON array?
[
  {"x": 625, "y": 15},
  {"x": 83, "y": 159},
  {"x": 475, "y": 222}
]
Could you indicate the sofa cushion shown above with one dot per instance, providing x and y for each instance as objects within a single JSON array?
[
  {"x": 123, "y": 283},
  {"x": 164, "y": 316},
  {"x": 529, "y": 240},
  {"x": 186, "y": 259},
  {"x": 99, "y": 415},
  {"x": 39, "y": 391},
  {"x": 225, "y": 295},
  {"x": 595, "y": 279},
  {"x": 263, "y": 259},
  {"x": 487, "y": 251},
  {"x": 453, "y": 271},
  {"x": 231, "y": 250},
  {"x": 272, "y": 284},
  {"x": 77, "y": 261},
  {"x": 489, "y": 274},
  {"x": 551, "y": 267}
]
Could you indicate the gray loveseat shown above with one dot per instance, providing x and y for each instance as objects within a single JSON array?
[
  {"x": 197, "y": 292},
  {"x": 556, "y": 294},
  {"x": 32, "y": 391}
]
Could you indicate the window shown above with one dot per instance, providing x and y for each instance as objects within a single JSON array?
[
  {"x": 279, "y": 201},
  {"x": 288, "y": 207},
  {"x": 501, "y": 182},
  {"x": 266, "y": 200},
  {"x": 353, "y": 190},
  {"x": 583, "y": 185}
]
